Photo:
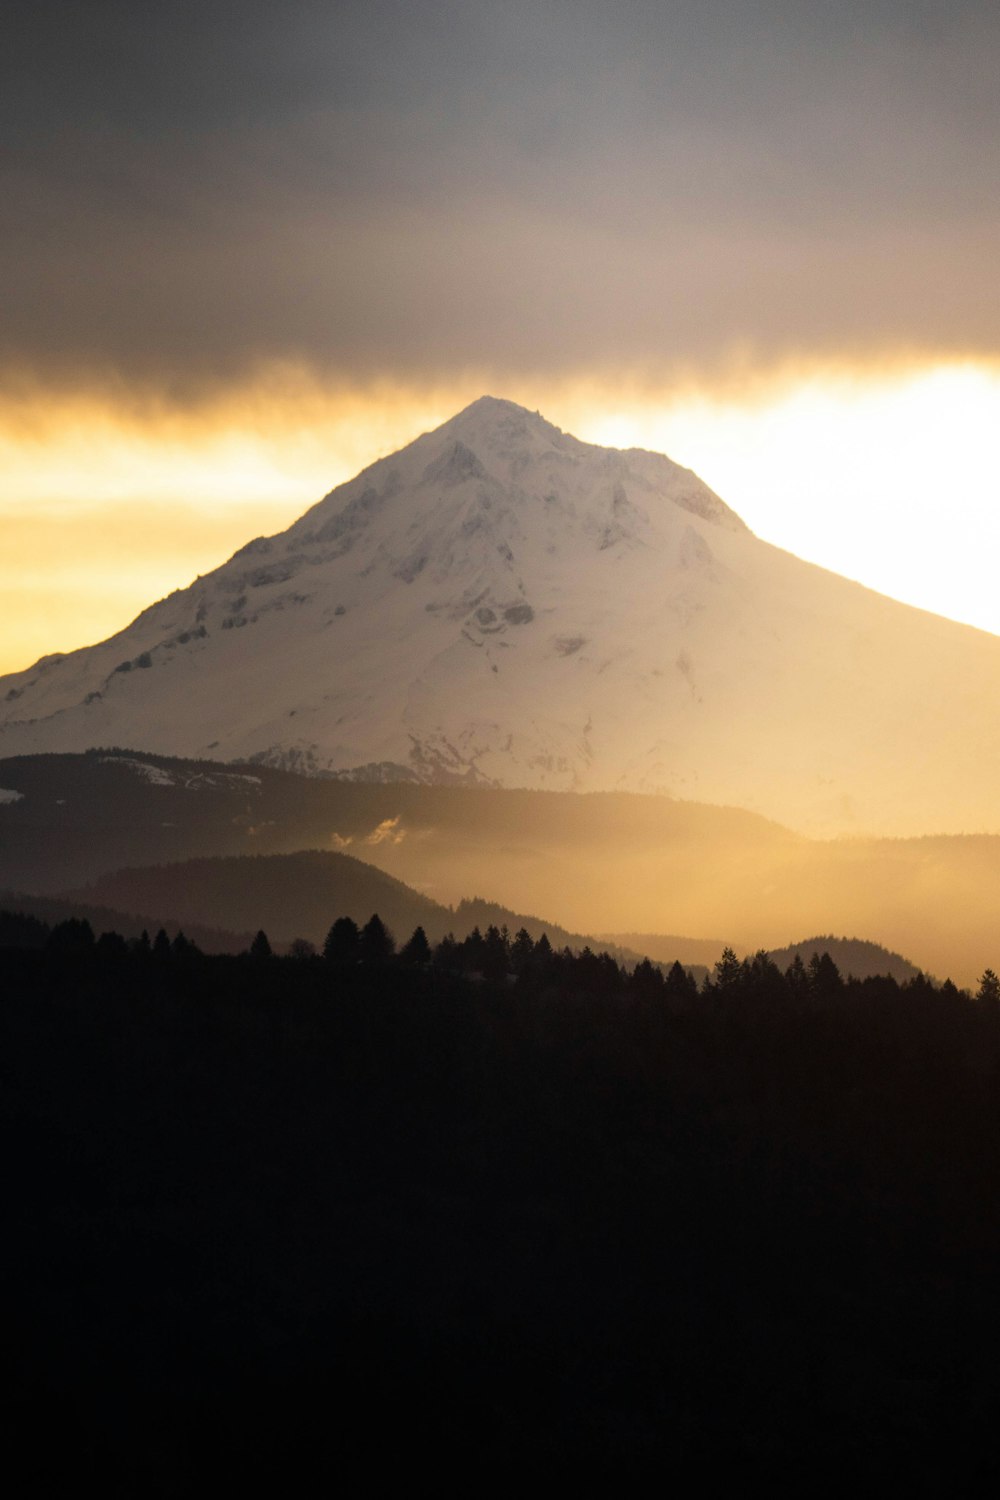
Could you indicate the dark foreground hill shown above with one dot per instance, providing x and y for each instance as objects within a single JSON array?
[
  {"x": 279, "y": 1226},
  {"x": 854, "y": 958},
  {"x": 69, "y": 818},
  {"x": 289, "y": 895},
  {"x": 51, "y": 910},
  {"x": 298, "y": 896}
]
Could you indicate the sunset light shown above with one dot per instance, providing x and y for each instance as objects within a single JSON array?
[
  {"x": 882, "y": 475},
  {"x": 500, "y": 746}
]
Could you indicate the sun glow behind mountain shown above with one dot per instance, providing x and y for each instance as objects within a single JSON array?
[{"x": 108, "y": 503}]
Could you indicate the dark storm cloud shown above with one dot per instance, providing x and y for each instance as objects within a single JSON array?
[{"x": 403, "y": 187}]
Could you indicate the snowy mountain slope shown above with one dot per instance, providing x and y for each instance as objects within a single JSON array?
[{"x": 500, "y": 602}]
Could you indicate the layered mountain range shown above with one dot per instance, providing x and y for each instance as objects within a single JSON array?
[{"x": 499, "y": 603}]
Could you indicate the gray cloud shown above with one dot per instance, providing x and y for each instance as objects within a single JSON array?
[{"x": 402, "y": 187}]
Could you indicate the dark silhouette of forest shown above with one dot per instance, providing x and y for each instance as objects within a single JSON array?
[{"x": 486, "y": 1206}]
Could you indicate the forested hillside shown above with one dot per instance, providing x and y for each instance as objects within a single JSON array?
[{"x": 277, "y": 1221}]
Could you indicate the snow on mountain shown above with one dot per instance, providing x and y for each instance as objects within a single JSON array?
[{"x": 499, "y": 602}]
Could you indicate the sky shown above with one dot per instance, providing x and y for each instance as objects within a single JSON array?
[{"x": 247, "y": 248}]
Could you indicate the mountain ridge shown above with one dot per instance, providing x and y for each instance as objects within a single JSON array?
[
  {"x": 501, "y": 604},
  {"x": 599, "y": 862}
]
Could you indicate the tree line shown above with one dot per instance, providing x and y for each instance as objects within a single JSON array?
[
  {"x": 270, "y": 1217},
  {"x": 496, "y": 955}
]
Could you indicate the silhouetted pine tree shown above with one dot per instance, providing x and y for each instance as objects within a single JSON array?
[
  {"x": 825, "y": 983},
  {"x": 418, "y": 949},
  {"x": 762, "y": 980},
  {"x": 446, "y": 954},
  {"x": 680, "y": 988},
  {"x": 71, "y": 938},
  {"x": 728, "y": 973},
  {"x": 495, "y": 953},
  {"x": 647, "y": 981},
  {"x": 377, "y": 943},
  {"x": 797, "y": 980},
  {"x": 473, "y": 952},
  {"x": 111, "y": 946},
  {"x": 343, "y": 942},
  {"x": 989, "y": 989},
  {"x": 521, "y": 951},
  {"x": 260, "y": 948},
  {"x": 182, "y": 948}
]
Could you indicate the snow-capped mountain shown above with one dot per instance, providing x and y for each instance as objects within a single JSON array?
[{"x": 500, "y": 602}]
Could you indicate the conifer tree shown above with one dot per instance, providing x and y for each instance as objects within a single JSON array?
[
  {"x": 495, "y": 953},
  {"x": 446, "y": 953},
  {"x": 680, "y": 986},
  {"x": 343, "y": 942},
  {"x": 825, "y": 982},
  {"x": 521, "y": 950},
  {"x": 417, "y": 950},
  {"x": 376, "y": 943},
  {"x": 796, "y": 979},
  {"x": 260, "y": 948},
  {"x": 728, "y": 972},
  {"x": 474, "y": 952},
  {"x": 74, "y": 936},
  {"x": 647, "y": 981},
  {"x": 989, "y": 989}
]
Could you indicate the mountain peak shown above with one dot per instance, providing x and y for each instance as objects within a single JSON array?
[
  {"x": 493, "y": 406},
  {"x": 501, "y": 601},
  {"x": 497, "y": 409},
  {"x": 495, "y": 420}
]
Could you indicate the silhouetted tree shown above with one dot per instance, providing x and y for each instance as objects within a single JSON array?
[
  {"x": 20, "y": 931},
  {"x": 989, "y": 989},
  {"x": 680, "y": 987},
  {"x": 796, "y": 979},
  {"x": 473, "y": 952},
  {"x": 728, "y": 973},
  {"x": 260, "y": 948},
  {"x": 495, "y": 953},
  {"x": 825, "y": 983},
  {"x": 376, "y": 942},
  {"x": 521, "y": 951},
  {"x": 762, "y": 979},
  {"x": 647, "y": 981},
  {"x": 302, "y": 949},
  {"x": 343, "y": 941},
  {"x": 446, "y": 954},
  {"x": 183, "y": 949},
  {"x": 73, "y": 937},
  {"x": 111, "y": 945},
  {"x": 543, "y": 962},
  {"x": 418, "y": 949}
]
